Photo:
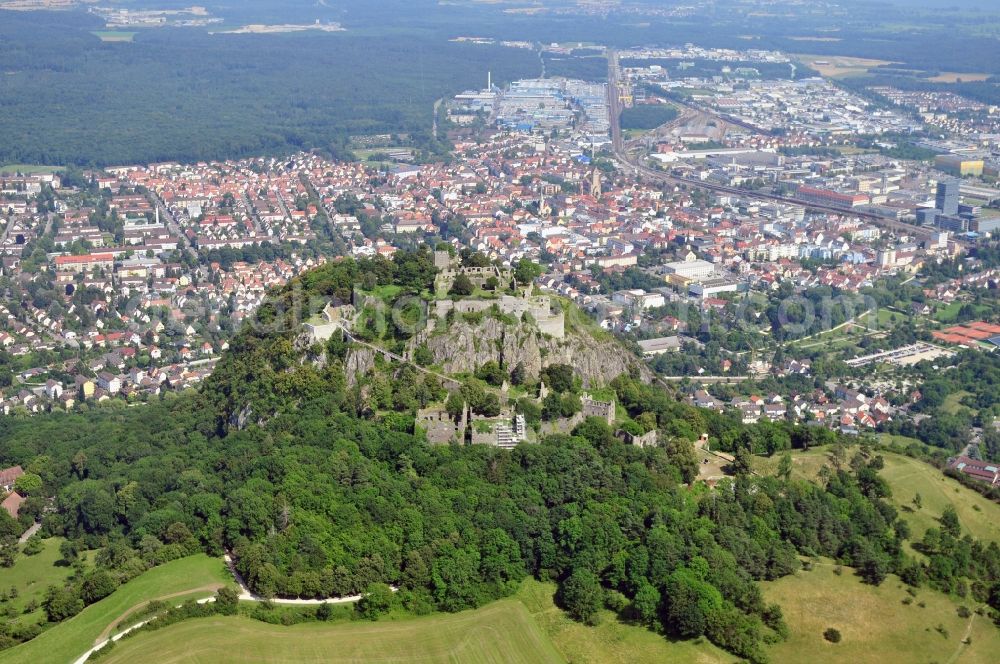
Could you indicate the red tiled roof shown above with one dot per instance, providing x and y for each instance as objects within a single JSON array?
[
  {"x": 80, "y": 260},
  {"x": 9, "y": 475},
  {"x": 12, "y": 504}
]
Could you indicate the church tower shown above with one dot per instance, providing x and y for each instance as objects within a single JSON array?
[{"x": 595, "y": 183}]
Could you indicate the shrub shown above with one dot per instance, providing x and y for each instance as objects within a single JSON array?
[
  {"x": 226, "y": 601},
  {"x": 33, "y": 546},
  {"x": 324, "y": 612},
  {"x": 377, "y": 601},
  {"x": 832, "y": 635}
]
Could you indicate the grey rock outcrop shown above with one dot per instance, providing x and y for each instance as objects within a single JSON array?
[{"x": 466, "y": 346}]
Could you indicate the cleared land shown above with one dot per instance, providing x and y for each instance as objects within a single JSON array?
[
  {"x": 839, "y": 66},
  {"x": 876, "y": 626},
  {"x": 114, "y": 36},
  {"x": 956, "y": 77},
  {"x": 953, "y": 403},
  {"x": 501, "y": 632},
  {"x": 67, "y": 641},
  {"x": 805, "y": 465}
]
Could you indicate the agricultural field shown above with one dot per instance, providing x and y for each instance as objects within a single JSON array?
[
  {"x": 501, "y": 632},
  {"x": 194, "y": 576},
  {"x": 959, "y": 77},
  {"x": 526, "y": 628},
  {"x": 839, "y": 66},
  {"x": 877, "y": 623}
]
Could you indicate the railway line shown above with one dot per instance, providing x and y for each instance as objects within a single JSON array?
[{"x": 640, "y": 170}]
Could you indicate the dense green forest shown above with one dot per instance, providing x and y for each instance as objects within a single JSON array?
[
  {"x": 587, "y": 68},
  {"x": 66, "y": 97},
  {"x": 319, "y": 486},
  {"x": 648, "y": 116}
]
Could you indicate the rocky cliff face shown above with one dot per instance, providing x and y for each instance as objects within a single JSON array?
[
  {"x": 466, "y": 346},
  {"x": 359, "y": 361}
]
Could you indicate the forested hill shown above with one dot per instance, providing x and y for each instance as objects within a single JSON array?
[{"x": 328, "y": 489}]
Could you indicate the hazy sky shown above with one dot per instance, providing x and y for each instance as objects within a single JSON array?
[{"x": 957, "y": 4}]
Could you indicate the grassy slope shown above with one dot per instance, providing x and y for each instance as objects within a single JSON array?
[
  {"x": 611, "y": 642},
  {"x": 70, "y": 639},
  {"x": 499, "y": 633},
  {"x": 981, "y": 517},
  {"x": 953, "y": 403},
  {"x": 527, "y": 628},
  {"x": 908, "y": 477},
  {"x": 874, "y": 623},
  {"x": 31, "y": 575}
]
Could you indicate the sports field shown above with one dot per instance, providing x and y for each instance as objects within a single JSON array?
[
  {"x": 28, "y": 169},
  {"x": 503, "y": 632},
  {"x": 195, "y": 576},
  {"x": 875, "y": 624}
]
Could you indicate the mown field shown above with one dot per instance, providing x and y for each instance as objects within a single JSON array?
[
  {"x": 195, "y": 576},
  {"x": 877, "y": 624},
  {"x": 499, "y": 633}
]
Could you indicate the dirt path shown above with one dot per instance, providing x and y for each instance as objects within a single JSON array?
[
  {"x": 247, "y": 595},
  {"x": 29, "y": 532},
  {"x": 212, "y": 587},
  {"x": 961, "y": 646}
]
